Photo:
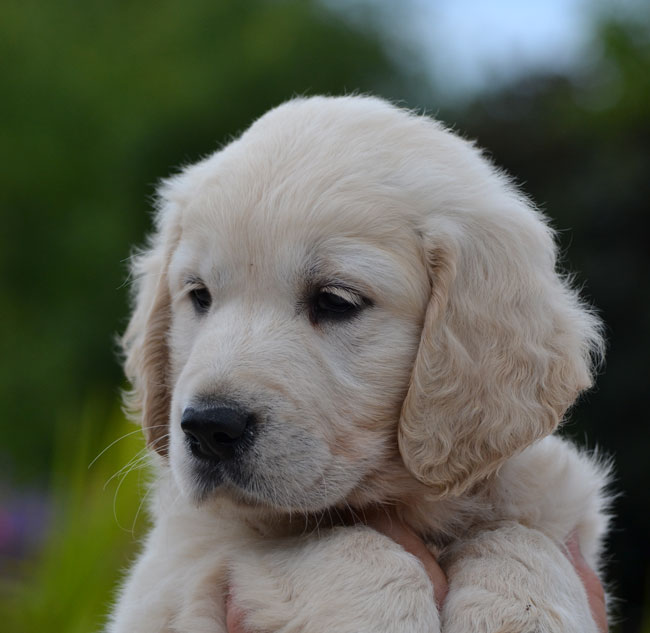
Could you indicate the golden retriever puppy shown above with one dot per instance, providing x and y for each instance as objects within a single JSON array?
[{"x": 349, "y": 306}]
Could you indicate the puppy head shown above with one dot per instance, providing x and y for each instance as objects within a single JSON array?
[{"x": 340, "y": 263}]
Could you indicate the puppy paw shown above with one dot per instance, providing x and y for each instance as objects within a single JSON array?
[
  {"x": 350, "y": 580},
  {"x": 513, "y": 580}
]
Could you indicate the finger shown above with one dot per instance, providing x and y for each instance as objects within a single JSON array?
[
  {"x": 392, "y": 527},
  {"x": 591, "y": 582},
  {"x": 234, "y": 617}
]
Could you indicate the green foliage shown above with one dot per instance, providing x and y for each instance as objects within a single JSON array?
[{"x": 68, "y": 585}]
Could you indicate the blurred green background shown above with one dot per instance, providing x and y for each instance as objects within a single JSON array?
[{"x": 101, "y": 99}]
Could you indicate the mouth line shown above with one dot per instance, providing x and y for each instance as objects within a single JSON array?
[
  {"x": 286, "y": 473},
  {"x": 213, "y": 476},
  {"x": 254, "y": 491}
]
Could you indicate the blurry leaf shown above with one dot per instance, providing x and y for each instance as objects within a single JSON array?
[{"x": 68, "y": 585}]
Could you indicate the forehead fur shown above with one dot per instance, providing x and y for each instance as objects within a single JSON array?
[
  {"x": 313, "y": 154},
  {"x": 355, "y": 165},
  {"x": 316, "y": 175}
]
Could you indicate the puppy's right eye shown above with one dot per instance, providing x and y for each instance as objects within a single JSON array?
[{"x": 201, "y": 299}]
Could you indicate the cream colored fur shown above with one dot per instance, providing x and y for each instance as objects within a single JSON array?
[{"x": 438, "y": 398}]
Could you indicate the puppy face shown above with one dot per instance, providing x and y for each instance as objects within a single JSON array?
[
  {"x": 302, "y": 316},
  {"x": 345, "y": 279}
]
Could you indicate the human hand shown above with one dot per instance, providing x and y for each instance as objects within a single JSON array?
[
  {"x": 591, "y": 582},
  {"x": 234, "y": 617},
  {"x": 390, "y": 526}
]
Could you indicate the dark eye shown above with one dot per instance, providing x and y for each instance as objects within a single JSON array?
[
  {"x": 201, "y": 299},
  {"x": 329, "y": 302},
  {"x": 336, "y": 304}
]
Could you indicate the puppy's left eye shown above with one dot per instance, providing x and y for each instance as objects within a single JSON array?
[
  {"x": 329, "y": 302},
  {"x": 334, "y": 304}
]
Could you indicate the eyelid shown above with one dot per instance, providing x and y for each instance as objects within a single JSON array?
[
  {"x": 193, "y": 283},
  {"x": 346, "y": 294},
  {"x": 190, "y": 284}
]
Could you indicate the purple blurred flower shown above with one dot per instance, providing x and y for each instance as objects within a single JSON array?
[{"x": 24, "y": 522}]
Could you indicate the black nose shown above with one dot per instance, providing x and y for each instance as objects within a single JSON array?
[{"x": 215, "y": 432}]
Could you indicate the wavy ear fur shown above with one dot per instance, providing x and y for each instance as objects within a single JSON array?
[
  {"x": 144, "y": 343},
  {"x": 505, "y": 349}
]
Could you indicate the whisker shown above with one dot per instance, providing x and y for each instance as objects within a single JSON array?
[
  {"x": 119, "y": 439},
  {"x": 137, "y": 513},
  {"x": 139, "y": 458}
]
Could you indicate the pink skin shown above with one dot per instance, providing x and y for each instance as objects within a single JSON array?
[
  {"x": 404, "y": 536},
  {"x": 593, "y": 586}
]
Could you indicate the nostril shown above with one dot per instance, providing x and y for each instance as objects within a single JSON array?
[
  {"x": 224, "y": 438},
  {"x": 191, "y": 437},
  {"x": 215, "y": 431}
]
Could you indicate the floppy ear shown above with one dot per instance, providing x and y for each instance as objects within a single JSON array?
[
  {"x": 144, "y": 343},
  {"x": 505, "y": 349}
]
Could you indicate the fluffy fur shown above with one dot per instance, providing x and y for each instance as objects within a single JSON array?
[{"x": 439, "y": 396}]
